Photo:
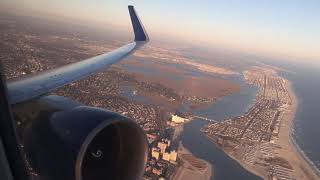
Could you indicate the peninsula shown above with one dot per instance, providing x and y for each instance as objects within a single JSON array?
[{"x": 260, "y": 140}]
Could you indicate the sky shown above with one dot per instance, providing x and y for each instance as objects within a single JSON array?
[{"x": 284, "y": 28}]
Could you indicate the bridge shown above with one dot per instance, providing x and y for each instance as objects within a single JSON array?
[{"x": 204, "y": 118}]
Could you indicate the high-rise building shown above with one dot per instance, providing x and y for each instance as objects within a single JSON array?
[
  {"x": 162, "y": 146},
  {"x": 166, "y": 156},
  {"x": 173, "y": 156},
  {"x": 155, "y": 153},
  {"x": 168, "y": 142}
]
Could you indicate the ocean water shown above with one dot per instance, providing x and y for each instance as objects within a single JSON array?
[
  {"x": 306, "y": 85},
  {"x": 234, "y": 105}
]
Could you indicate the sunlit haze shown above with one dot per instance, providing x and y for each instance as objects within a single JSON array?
[{"x": 287, "y": 28}]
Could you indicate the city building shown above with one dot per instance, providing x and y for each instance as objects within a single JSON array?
[
  {"x": 177, "y": 119},
  {"x": 151, "y": 138},
  {"x": 173, "y": 156},
  {"x": 148, "y": 168},
  {"x": 157, "y": 171},
  {"x": 162, "y": 146},
  {"x": 168, "y": 142},
  {"x": 155, "y": 153},
  {"x": 166, "y": 156}
]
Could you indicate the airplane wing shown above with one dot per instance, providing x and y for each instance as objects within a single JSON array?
[{"x": 27, "y": 88}]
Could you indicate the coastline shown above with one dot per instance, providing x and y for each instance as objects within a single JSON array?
[
  {"x": 189, "y": 167},
  {"x": 273, "y": 158},
  {"x": 302, "y": 169},
  {"x": 248, "y": 168},
  {"x": 310, "y": 172},
  {"x": 288, "y": 149},
  {"x": 283, "y": 146},
  {"x": 293, "y": 141}
]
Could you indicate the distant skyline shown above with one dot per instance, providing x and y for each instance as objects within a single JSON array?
[{"x": 280, "y": 28}]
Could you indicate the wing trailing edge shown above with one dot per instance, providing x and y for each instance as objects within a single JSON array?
[{"x": 33, "y": 86}]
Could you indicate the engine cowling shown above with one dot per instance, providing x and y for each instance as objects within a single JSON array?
[{"x": 86, "y": 143}]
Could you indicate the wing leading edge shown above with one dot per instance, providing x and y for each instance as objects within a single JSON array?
[{"x": 27, "y": 88}]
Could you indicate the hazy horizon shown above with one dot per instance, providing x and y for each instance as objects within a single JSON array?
[{"x": 286, "y": 29}]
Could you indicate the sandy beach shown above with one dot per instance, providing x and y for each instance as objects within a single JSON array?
[
  {"x": 261, "y": 139},
  {"x": 288, "y": 150},
  {"x": 302, "y": 169},
  {"x": 285, "y": 147},
  {"x": 281, "y": 150}
]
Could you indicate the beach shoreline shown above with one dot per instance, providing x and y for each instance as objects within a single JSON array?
[
  {"x": 278, "y": 155},
  {"x": 286, "y": 140},
  {"x": 302, "y": 169},
  {"x": 311, "y": 171},
  {"x": 289, "y": 150},
  {"x": 283, "y": 146}
]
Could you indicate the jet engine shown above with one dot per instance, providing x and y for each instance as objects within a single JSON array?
[{"x": 82, "y": 143}]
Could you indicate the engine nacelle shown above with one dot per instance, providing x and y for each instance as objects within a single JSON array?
[{"x": 86, "y": 143}]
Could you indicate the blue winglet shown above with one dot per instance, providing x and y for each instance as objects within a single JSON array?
[{"x": 139, "y": 31}]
